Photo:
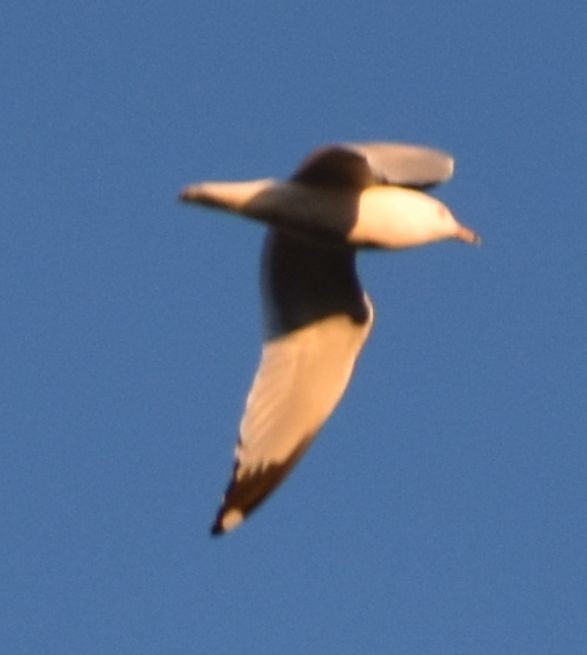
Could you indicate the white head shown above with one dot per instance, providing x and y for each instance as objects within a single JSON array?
[{"x": 397, "y": 217}]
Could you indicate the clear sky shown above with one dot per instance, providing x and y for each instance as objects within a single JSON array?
[{"x": 443, "y": 510}]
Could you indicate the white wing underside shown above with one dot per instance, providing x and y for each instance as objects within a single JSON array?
[{"x": 301, "y": 378}]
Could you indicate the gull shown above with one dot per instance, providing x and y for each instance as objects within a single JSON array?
[{"x": 317, "y": 317}]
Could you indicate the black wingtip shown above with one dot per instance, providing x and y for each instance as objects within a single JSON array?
[{"x": 216, "y": 529}]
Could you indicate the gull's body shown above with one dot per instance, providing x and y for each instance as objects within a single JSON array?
[{"x": 317, "y": 317}]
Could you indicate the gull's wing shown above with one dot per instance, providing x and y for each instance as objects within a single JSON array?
[
  {"x": 317, "y": 320},
  {"x": 363, "y": 164}
]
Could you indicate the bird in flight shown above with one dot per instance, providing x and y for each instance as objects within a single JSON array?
[{"x": 317, "y": 316}]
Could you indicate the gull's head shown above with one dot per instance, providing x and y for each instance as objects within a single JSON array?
[{"x": 399, "y": 217}]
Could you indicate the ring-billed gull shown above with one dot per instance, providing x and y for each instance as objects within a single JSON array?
[{"x": 317, "y": 316}]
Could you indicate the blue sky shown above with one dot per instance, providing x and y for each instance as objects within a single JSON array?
[{"x": 443, "y": 508}]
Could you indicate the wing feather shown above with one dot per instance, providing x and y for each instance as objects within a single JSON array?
[
  {"x": 301, "y": 378},
  {"x": 361, "y": 165},
  {"x": 303, "y": 373}
]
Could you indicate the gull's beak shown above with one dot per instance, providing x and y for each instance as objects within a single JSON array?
[{"x": 467, "y": 235}]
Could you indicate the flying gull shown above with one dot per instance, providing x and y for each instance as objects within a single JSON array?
[{"x": 316, "y": 315}]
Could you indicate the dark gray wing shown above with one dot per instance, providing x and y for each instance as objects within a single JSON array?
[
  {"x": 363, "y": 164},
  {"x": 318, "y": 319}
]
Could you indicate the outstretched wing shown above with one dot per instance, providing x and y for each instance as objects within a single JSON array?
[
  {"x": 363, "y": 164},
  {"x": 317, "y": 320}
]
